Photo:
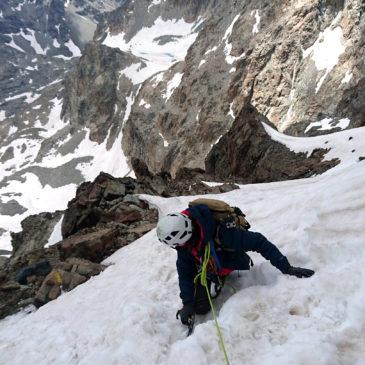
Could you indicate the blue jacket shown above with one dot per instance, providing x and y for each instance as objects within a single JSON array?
[{"x": 230, "y": 254}]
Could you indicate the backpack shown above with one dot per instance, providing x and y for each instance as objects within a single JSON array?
[{"x": 222, "y": 212}]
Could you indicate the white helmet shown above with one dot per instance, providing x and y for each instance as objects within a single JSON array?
[{"x": 174, "y": 229}]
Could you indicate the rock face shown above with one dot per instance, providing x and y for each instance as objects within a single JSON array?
[
  {"x": 246, "y": 154},
  {"x": 36, "y": 229},
  {"x": 271, "y": 52},
  {"x": 170, "y": 81}
]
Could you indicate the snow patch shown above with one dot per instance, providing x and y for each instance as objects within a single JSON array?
[
  {"x": 56, "y": 44},
  {"x": 157, "y": 79},
  {"x": 31, "y": 38},
  {"x": 36, "y": 198},
  {"x": 231, "y": 113},
  {"x": 202, "y": 63},
  {"x": 172, "y": 85},
  {"x": 145, "y": 44},
  {"x": 56, "y": 235},
  {"x": 29, "y": 97},
  {"x": 165, "y": 143},
  {"x": 73, "y": 48},
  {"x": 327, "y": 49},
  {"x": 340, "y": 144},
  {"x": 2, "y": 115},
  {"x": 144, "y": 104},
  {"x": 328, "y": 124},
  {"x": 255, "y": 28},
  {"x": 347, "y": 77},
  {"x": 228, "y": 46},
  {"x": 54, "y": 123},
  {"x": 12, "y": 130},
  {"x": 154, "y": 2},
  {"x": 211, "y": 50},
  {"x": 13, "y": 45}
]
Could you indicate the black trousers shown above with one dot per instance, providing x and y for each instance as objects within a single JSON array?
[{"x": 201, "y": 303}]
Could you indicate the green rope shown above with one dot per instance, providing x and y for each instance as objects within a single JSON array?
[{"x": 203, "y": 280}]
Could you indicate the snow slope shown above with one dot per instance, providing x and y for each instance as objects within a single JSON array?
[{"x": 126, "y": 315}]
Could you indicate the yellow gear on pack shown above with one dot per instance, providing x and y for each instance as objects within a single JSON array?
[{"x": 57, "y": 278}]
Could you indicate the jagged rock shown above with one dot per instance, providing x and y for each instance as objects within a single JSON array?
[
  {"x": 9, "y": 286},
  {"x": 93, "y": 246},
  {"x": 65, "y": 277},
  {"x": 36, "y": 230},
  {"x": 186, "y": 182},
  {"x": 101, "y": 201},
  {"x": 247, "y": 154},
  {"x": 3, "y": 261}
]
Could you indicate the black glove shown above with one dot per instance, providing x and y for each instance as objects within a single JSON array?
[
  {"x": 186, "y": 314},
  {"x": 300, "y": 272}
]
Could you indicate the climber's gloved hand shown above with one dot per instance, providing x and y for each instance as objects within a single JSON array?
[
  {"x": 186, "y": 314},
  {"x": 300, "y": 272}
]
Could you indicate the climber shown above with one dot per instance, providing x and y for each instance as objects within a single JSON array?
[{"x": 190, "y": 231}]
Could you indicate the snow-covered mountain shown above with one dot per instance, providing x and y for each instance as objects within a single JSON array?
[
  {"x": 40, "y": 43},
  {"x": 126, "y": 315}
]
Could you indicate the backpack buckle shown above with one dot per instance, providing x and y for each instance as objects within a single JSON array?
[{"x": 231, "y": 224}]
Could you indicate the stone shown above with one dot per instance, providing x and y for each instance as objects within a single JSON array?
[
  {"x": 93, "y": 246},
  {"x": 9, "y": 286}
]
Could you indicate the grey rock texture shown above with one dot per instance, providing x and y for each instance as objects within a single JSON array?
[
  {"x": 269, "y": 67},
  {"x": 36, "y": 230},
  {"x": 246, "y": 154}
]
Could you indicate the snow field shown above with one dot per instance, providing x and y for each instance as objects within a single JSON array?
[
  {"x": 126, "y": 315},
  {"x": 147, "y": 44}
]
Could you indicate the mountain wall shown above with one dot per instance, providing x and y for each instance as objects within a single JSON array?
[{"x": 300, "y": 64}]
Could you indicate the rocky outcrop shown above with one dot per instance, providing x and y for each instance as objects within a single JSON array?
[
  {"x": 94, "y": 96},
  {"x": 104, "y": 216},
  {"x": 247, "y": 154},
  {"x": 36, "y": 230},
  {"x": 186, "y": 182}
]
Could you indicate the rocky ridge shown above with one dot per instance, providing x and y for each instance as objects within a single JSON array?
[{"x": 57, "y": 251}]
